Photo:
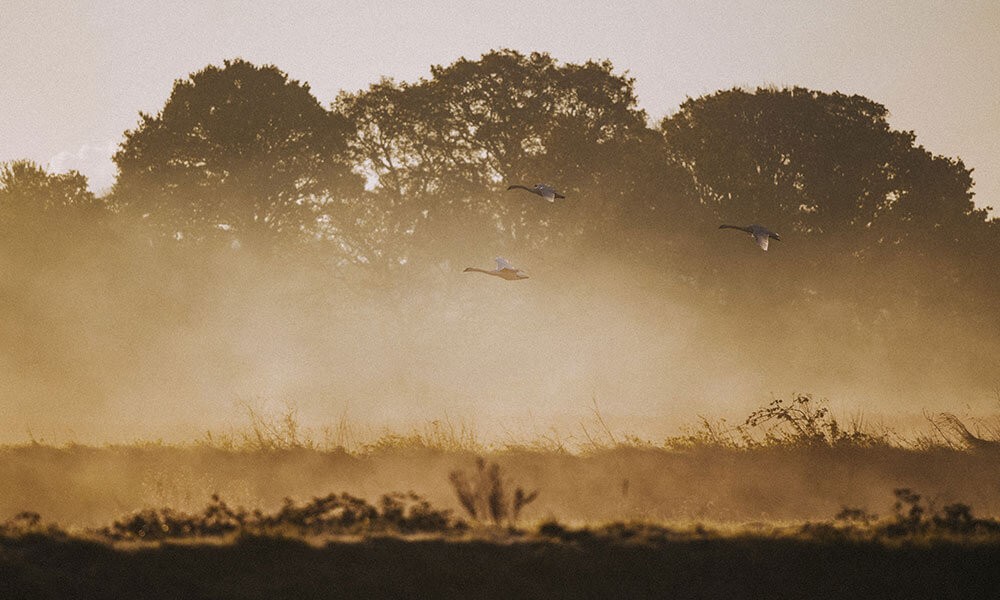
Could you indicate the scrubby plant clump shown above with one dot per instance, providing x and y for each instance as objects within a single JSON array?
[
  {"x": 804, "y": 421},
  {"x": 334, "y": 514},
  {"x": 484, "y": 497}
]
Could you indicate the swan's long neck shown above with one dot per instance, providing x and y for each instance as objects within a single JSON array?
[
  {"x": 746, "y": 229},
  {"x": 477, "y": 270},
  {"x": 520, "y": 187}
]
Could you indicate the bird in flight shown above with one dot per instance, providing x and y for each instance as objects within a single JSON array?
[
  {"x": 543, "y": 190},
  {"x": 504, "y": 270},
  {"x": 760, "y": 233}
]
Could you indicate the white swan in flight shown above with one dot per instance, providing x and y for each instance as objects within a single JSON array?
[
  {"x": 543, "y": 190},
  {"x": 760, "y": 233},
  {"x": 504, "y": 270}
]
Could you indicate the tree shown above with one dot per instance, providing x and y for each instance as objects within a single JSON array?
[
  {"x": 26, "y": 188},
  {"x": 442, "y": 149},
  {"x": 510, "y": 117},
  {"x": 817, "y": 163},
  {"x": 875, "y": 217},
  {"x": 35, "y": 204},
  {"x": 51, "y": 228},
  {"x": 239, "y": 149},
  {"x": 795, "y": 158}
]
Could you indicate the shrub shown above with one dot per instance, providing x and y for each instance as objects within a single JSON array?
[
  {"x": 484, "y": 497},
  {"x": 331, "y": 514},
  {"x": 806, "y": 422}
]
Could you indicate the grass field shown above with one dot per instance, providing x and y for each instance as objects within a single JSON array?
[
  {"x": 788, "y": 461},
  {"x": 789, "y": 504},
  {"x": 89, "y": 486}
]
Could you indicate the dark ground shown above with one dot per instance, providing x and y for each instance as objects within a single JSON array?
[{"x": 45, "y": 566}]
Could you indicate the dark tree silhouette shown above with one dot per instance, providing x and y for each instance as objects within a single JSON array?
[
  {"x": 505, "y": 117},
  {"x": 241, "y": 149},
  {"x": 36, "y": 205},
  {"x": 879, "y": 225},
  {"x": 26, "y": 189},
  {"x": 813, "y": 162},
  {"x": 442, "y": 149},
  {"x": 794, "y": 158},
  {"x": 50, "y": 228},
  {"x": 510, "y": 117}
]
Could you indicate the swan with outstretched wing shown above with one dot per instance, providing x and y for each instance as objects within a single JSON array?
[
  {"x": 760, "y": 234},
  {"x": 504, "y": 270},
  {"x": 544, "y": 190}
]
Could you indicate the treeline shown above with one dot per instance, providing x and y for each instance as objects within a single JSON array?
[
  {"x": 241, "y": 153},
  {"x": 390, "y": 181}
]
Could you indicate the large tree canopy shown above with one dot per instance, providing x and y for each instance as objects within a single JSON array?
[
  {"x": 239, "y": 148},
  {"x": 504, "y": 117},
  {"x": 812, "y": 162},
  {"x": 442, "y": 148},
  {"x": 829, "y": 172}
]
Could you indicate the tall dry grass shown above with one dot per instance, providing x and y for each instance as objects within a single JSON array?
[{"x": 790, "y": 459}]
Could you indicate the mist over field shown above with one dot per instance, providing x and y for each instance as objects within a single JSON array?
[
  {"x": 122, "y": 360},
  {"x": 170, "y": 351},
  {"x": 261, "y": 251}
]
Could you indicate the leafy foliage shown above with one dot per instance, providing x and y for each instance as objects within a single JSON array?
[
  {"x": 26, "y": 188},
  {"x": 37, "y": 207},
  {"x": 238, "y": 149},
  {"x": 503, "y": 118},
  {"x": 813, "y": 162},
  {"x": 441, "y": 149}
]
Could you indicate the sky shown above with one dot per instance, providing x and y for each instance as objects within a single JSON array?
[{"x": 77, "y": 73}]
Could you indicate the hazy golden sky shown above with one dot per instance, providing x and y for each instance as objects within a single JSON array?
[{"x": 76, "y": 74}]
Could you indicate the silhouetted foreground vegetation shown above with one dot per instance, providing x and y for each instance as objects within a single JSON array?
[
  {"x": 331, "y": 514},
  {"x": 782, "y": 505},
  {"x": 912, "y": 554},
  {"x": 789, "y": 460},
  {"x": 483, "y": 496}
]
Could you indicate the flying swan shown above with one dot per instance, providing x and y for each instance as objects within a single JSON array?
[
  {"x": 760, "y": 234},
  {"x": 504, "y": 270},
  {"x": 543, "y": 190}
]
